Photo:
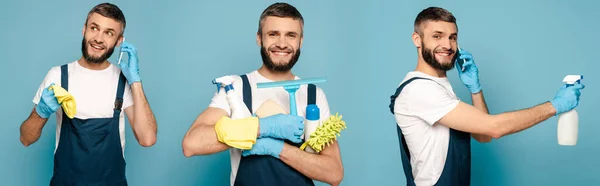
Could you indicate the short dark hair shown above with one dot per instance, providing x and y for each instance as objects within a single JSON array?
[
  {"x": 283, "y": 10},
  {"x": 108, "y": 10},
  {"x": 433, "y": 14}
]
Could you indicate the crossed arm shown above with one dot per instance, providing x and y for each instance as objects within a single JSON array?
[{"x": 201, "y": 139}]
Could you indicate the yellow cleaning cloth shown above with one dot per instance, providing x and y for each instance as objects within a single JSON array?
[
  {"x": 65, "y": 99},
  {"x": 325, "y": 133},
  {"x": 238, "y": 133}
]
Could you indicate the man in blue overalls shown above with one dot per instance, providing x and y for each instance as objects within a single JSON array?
[
  {"x": 90, "y": 145},
  {"x": 273, "y": 160},
  {"x": 434, "y": 126}
]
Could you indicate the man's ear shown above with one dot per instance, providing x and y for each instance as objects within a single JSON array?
[
  {"x": 416, "y": 39},
  {"x": 121, "y": 38},
  {"x": 83, "y": 30},
  {"x": 301, "y": 41},
  {"x": 258, "y": 39}
]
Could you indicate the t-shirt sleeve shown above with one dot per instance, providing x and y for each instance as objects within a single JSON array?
[
  {"x": 127, "y": 96},
  {"x": 427, "y": 100},
  {"x": 53, "y": 76}
]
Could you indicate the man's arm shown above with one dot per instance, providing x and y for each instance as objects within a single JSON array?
[
  {"x": 141, "y": 117},
  {"x": 479, "y": 103},
  {"x": 31, "y": 129},
  {"x": 326, "y": 166},
  {"x": 201, "y": 138},
  {"x": 470, "y": 119}
]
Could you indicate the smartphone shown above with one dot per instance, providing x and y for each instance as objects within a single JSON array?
[
  {"x": 460, "y": 62},
  {"x": 120, "y": 54}
]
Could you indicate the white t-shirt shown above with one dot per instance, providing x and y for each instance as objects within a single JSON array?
[
  {"x": 417, "y": 109},
  {"x": 94, "y": 92},
  {"x": 277, "y": 94}
]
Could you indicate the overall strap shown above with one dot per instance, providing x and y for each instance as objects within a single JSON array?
[
  {"x": 404, "y": 152},
  {"x": 247, "y": 92},
  {"x": 119, "y": 98},
  {"x": 64, "y": 76},
  {"x": 399, "y": 89},
  {"x": 312, "y": 94}
]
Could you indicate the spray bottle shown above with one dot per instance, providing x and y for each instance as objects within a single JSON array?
[
  {"x": 312, "y": 122},
  {"x": 238, "y": 108},
  {"x": 238, "y": 111},
  {"x": 568, "y": 122}
]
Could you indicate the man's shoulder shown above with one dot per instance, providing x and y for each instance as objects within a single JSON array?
[
  {"x": 56, "y": 69},
  {"x": 420, "y": 83}
]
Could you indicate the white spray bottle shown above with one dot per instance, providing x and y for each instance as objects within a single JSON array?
[
  {"x": 238, "y": 111},
  {"x": 568, "y": 122},
  {"x": 238, "y": 108}
]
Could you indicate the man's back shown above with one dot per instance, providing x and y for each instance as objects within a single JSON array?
[{"x": 417, "y": 108}]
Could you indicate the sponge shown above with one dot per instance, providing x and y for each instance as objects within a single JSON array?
[{"x": 269, "y": 108}]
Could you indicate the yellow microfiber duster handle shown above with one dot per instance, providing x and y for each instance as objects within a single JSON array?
[
  {"x": 325, "y": 133},
  {"x": 238, "y": 133},
  {"x": 65, "y": 99}
]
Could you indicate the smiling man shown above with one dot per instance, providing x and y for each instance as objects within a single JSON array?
[
  {"x": 434, "y": 126},
  {"x": 90, "y": 143},
  {"x": 275, "y": 158}
]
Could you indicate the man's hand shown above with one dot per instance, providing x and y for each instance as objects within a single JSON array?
[
  {"x": 469, "y": 77},
  {"x": 567, "y": 98},
  {"x": 282, "y": 126},
  {"x": 48, "y": 103},
  {"x": 130, "y": 69},
  {"x": 265, "y": 146}
]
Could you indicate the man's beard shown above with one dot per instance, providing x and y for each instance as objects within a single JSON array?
[
  {"x": 429, "y": 57},
  {"x": 278, "y": 67},
  {"x": 92, "y": 59}
]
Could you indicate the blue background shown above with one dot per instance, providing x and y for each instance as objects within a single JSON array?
[{"x": 522, "y": 48}]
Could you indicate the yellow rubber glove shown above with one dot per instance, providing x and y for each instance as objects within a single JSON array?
[
  {"x": 65, "y": 99},
  {"x": 238, "y": 133}
]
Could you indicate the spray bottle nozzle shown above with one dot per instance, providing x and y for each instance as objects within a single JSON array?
[
  {"x": 224, "y": 82},
  {"x": 572, "y": 79}
]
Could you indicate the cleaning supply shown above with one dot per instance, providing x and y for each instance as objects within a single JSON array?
[
  {"x": 568, "y": 122},
  {"x": 238, "y": 111},
  {"x": 239, "y": 133},
  {"x": 269, "y": 108},
  {"x": 240, "y": 130},
  {"x": 312, "y": 122},
  {"x": 282, "y": 126},
  {"x": 291, "y": 87},
  {"x": 47, "y": 104},
  {"x": 266, "y": 146},
  {"x": 325, "y": 133},
  {"x": 65, "y": 99},
  {"x": 468, "y": 72},
  {"x": 130, "y": 69},
  {"x": 238, "y": 108},
  {"x": 461, "y": 62}
]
